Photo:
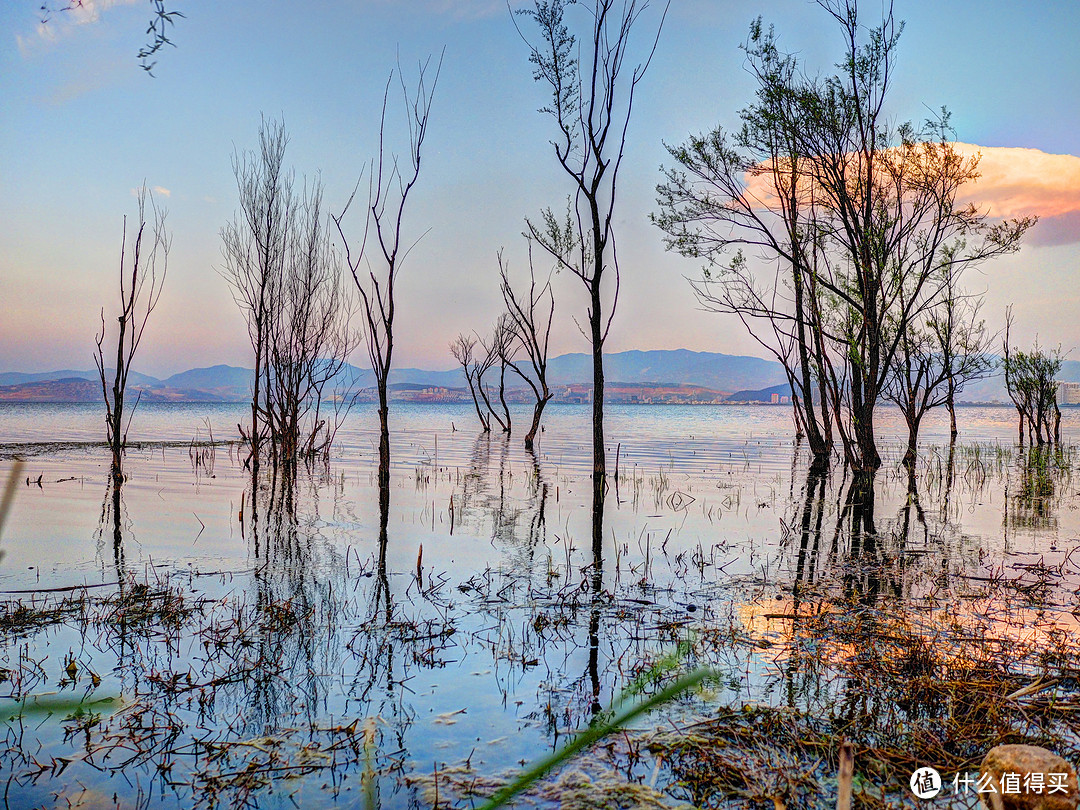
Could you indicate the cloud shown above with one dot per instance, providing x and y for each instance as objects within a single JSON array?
[
  {"x": 62, "y": 23},
  {"x": 159, "y": 190},
  {"x": 1016, "y": 182},
  {"x": 1013, "y": 182}
]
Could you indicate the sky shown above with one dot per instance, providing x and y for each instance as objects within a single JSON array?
[{"x": 82, "y": 127}]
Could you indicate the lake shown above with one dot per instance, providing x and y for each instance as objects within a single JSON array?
[{"x": 186, "y": 648}]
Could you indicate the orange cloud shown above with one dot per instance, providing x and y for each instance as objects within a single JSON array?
[
  {"x": 1012, "y": 182},
  {"x": 1017, "y": 182}
]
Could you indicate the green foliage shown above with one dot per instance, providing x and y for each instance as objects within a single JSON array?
[
  {"x": 1031, "y": 379},
  {"x": 556, "y": 63}
]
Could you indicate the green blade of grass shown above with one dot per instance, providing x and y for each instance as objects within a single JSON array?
[
  {"x": 592, "y": 735},
  {"x": 34, "y": 705},
  {"x": 9, "y": 496}
]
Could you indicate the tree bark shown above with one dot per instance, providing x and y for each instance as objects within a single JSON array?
[
  {"x": 538, "y": 412},
  {"x": 384, "y": 443},
  {"x": 599, "y": 456}
]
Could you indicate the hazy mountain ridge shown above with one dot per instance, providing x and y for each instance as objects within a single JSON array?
[{"x": 223, "y": 383}]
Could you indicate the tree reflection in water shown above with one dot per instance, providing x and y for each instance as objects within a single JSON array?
[{"x": 329, "y": 662}]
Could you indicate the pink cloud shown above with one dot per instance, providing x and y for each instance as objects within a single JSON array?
[
  {"x": 1017, "y": 182},
  {"x": 1012, "y": 182}
]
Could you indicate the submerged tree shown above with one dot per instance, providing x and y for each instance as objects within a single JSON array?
[
  {"x": 498, "y": 348},
  {"x": 531, "y": 314},
  {"x": 463, "y": 348},
  {"x": 1031, "y": 379},
  {"x": 311, "y": 337},
  {"x": 936, "y": 358},
  {"x": 961, "y": 336},
  {"x": 870, "y": 209},
  {"x": 390, "y": 186},
  {"x": 591, "y": 105},
  {"x": 753, "y": 190},
  {"x": 288, "y": 282},
  {"x": 143, "y": 265},
  {"x": 888, "y": 196},
  {"x": 254, "y": 247}
]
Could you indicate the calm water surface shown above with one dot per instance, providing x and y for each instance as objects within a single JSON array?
[{"x": 494, "y": 628}]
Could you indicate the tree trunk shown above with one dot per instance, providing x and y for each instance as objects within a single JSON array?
[
  {"x": 950, "y": 403},
  {"x": 117, "y": 438},
  {"x": 384, "y": 441},
  {"x": 599, "y": 457},
  {"x": 913, "y": 441},
  {"x": 538, "y": 411},
  {"x": 502, "y": 398},
  {"x": 806, "y": 415},
  {"x": 863, "y": 414},
  {"x": 255, "y": 410}
]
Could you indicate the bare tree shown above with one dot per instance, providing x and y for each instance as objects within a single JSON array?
[
  {"x": 497, "y": 351},
  {"x": 289, "y": 283},
  {"x": 142, "y": 275},
  {"x": 463, "y": 348},
  {"x": 935, "y": 359},
  {"x": 961, "y": 337},
  {"x": 310, "y": 334},
  {"x": 590, "y": 105},
  {"x": 254, "y": 246},
  {"x": 391, "y": 182},
  {"x": 531, "y": 314}
]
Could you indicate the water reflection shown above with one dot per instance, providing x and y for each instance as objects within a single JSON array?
[{"x": 330, "y": 649}]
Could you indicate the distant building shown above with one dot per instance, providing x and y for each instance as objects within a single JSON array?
[{"x": 1068, "y": 393}]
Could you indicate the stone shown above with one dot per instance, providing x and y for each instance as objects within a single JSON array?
[{"x": 1027, "y": 777}]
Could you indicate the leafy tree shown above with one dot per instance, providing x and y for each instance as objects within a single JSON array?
[
  {"x": 862, "y": 215},
  {"x": 590, "y": 105},
  {"x": 1031, "y": 379}
]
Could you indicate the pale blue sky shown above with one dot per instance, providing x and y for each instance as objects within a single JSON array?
[{"x": 82, "y": 126}]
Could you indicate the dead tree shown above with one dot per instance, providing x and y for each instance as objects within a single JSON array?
[
  {"x": 142, "y": 275},
  {"x": 255, "y": 245},
  {"x": 590, "y": 105},
  {"x": 498, "y": 349},
  {"x": 960, "y": 336},
  {"x": 463, "y": 348},
  {"x": 310, "y": 334},
  {"x": 289, "y": 283},
  {"x": 531, "y": 314},
  {"x": 390, "y": 185}
]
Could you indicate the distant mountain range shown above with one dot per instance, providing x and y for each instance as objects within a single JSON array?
[{"x": 751, "y": 378}]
